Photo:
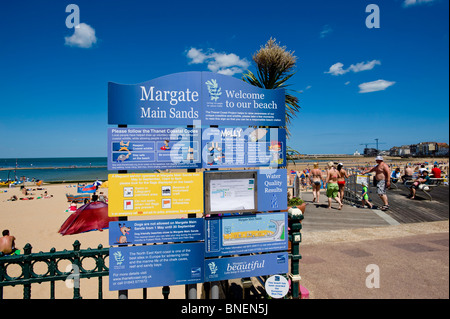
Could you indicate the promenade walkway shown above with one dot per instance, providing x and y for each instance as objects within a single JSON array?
[{"x": 344, "y": 252}]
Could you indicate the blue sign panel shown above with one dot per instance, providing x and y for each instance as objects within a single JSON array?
[
  {"x": 156, "y": 231},
  {"x": 155, "y": 265},
  {"x": 230, "y": 101},
  {"x": 153, "y": 148},
  {"x": 243, "y": 147},
  {"x": 182, "y": 98},
  {"x": 171, "y": 99},
  {"x": 246, "y": 266},
  {"x": 249, "y": 233},
  {"x": 272, "y": 189}
]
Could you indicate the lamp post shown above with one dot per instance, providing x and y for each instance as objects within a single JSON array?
[{"x": 295, "y": 216}]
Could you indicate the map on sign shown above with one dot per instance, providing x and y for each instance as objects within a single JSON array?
[{"x": 262, "y": 228}]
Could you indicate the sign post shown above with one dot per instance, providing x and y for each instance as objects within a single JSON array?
[{"x": 245, "y": 131}]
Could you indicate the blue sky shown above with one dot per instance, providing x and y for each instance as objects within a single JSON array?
[{"x": 357, "y": 83}]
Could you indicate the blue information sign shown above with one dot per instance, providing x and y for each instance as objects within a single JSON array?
[
  {"x": 243, "y": 147},
  {"x": 272, "y": 189},
  {"x": 230, "y": 101},
  {"x": 153, "y": 148},
  {"x": 156, "y": 231},
  {"x": 246, "y": 266},
  {"x": 182, "y": 98},
  {"x": 156, "y": 265},
  {"x": 249, "y": 233}
]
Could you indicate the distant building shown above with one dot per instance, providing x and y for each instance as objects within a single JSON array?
[
  {"x": 421, "y": 149},
  {"x": 370, "y": 152}
]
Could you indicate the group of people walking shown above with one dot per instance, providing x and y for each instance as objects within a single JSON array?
[
  {"x": 335, "y": 183},
  {"x": 336, "y": 177}
]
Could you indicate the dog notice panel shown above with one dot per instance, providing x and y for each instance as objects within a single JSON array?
[
  {"x": 155, "y": 231},
  {"x": 155, "y": 194}
]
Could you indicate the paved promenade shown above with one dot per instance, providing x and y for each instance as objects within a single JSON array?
[{"x": 358, "y": 253}]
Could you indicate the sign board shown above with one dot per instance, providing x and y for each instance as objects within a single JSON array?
[
  {"x": 276, "y": 286},
  {"x": 182, "y": 98},
  {"x": 272, "y": 189},
  {"x": 156, "y": 231},
  {"x": 155, "y": 194},
  {"x": 231, "y": 101},
  {"x": 246, "y": 266},
  {"x": 155, "y": 265},
  {"x": 231, "y": 235},
  {"x": 243, "y": 147},
  {"x": 153, "y": 148},
  {"x": 362, "y": 179},
  {"x": 245, "y": 191}
]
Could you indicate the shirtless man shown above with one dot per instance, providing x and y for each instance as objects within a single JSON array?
[
  {"x": 383, "y": 180},
  {"x": 7, "y": 243},
  {"x": 409, "y": 171},
  {"x": 332, "y": 186}
]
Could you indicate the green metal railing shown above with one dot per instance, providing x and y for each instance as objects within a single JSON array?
[{"x": 54, "y": 261}]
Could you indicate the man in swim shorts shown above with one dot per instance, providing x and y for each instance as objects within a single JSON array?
[
  {"x": 7, "y": 245},
  {"x": 382, "y": 178},
  {"x": 332, "y": 186}
]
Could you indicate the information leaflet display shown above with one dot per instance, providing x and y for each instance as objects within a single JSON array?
[
  {"x": 156, "y": 265},
  {"x": 231, "y": 235},
  {"x": 153, "y": 148},
  {"x": 155, "y": 194},
  {"x": 156, "y": 231},
  {"x": 246, "y": 266},
  {"x": 243, "y": 147}
]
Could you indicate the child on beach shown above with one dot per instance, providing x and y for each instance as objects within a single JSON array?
[{"x": 365, "y": 196}]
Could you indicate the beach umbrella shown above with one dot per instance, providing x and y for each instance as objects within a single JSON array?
[
  {"x": 97, "y": 183},
  {"x": 92, "y": 216}
]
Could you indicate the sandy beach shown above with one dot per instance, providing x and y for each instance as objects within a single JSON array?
[{"x": 37, "y": 222}]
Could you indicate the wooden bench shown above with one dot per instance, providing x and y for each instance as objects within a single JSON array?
[{"x": 434, "y": 182}]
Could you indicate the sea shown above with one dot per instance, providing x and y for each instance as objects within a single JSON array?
[{"x": 61, "y": 169}]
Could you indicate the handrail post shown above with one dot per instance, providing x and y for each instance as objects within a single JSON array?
[
  {"x": 27, "y": 271},
  {"x": 77, "y": 263}
]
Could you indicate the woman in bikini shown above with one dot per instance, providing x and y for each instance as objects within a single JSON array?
[
  {"x": 341, "y": 180},
  {"x": 332, "y": 186},
  {"x": 316, "y": 179}
]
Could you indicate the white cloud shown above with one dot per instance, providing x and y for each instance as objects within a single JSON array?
[
  {"x": 223, "y": 63},
  {"x": 326, "y": 29},
  {"x": 83, "y": 37},
  {"x": 378, "y": 85},
  {"x": 358, "y": 67},
  {"x": 196, "y": 56},
  {"x": 409, "y": 3},
  {"x": 338, "y": 68}
]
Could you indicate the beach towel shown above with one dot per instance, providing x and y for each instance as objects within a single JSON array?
[{"x": 92, "y": 216}]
